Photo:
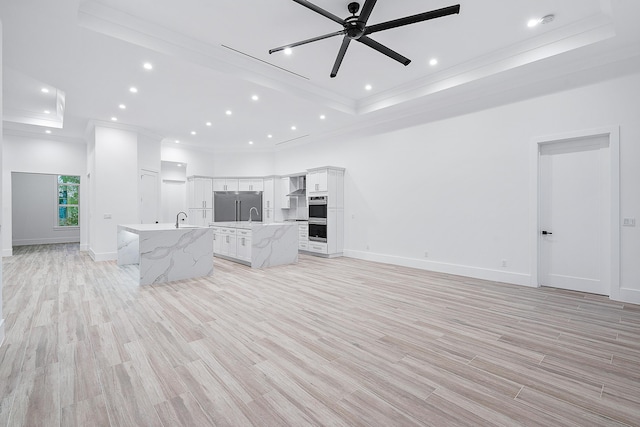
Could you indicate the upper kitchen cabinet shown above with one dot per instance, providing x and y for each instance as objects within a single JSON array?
[
  {"x": 327, "y": 181},
  {"x": 317, "y": 180},
  {"x": 250, "y": 184},
  {"x": 285, "y": 189},
  {"x": 200, "y": 192},
  {"x": 225, "y": 184}
]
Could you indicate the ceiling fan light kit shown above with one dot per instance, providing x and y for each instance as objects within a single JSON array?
[{"x": 355, "y": 27}]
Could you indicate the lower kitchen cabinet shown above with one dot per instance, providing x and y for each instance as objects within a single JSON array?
[
  {"x": 224, "y": 241},
  {"x": 243, "y": 245},
  {"x": 303, "y": 236},
  {"x": 257, "y": 245},
  {"x": 318, "y": 247}
]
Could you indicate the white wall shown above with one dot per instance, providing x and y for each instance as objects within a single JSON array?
[
  {"x": 114, "y": 188},
  {"x": 220, "y": 164},
  {"x": 198, "y": 162},
  {"x": 35, "y": 209},
  {"x": 41, "y": 155},
  {"x": 459, "y": 188},
  {"x": 174, "y": 190}
]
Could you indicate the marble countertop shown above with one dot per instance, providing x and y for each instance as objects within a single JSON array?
[
  {"x": 247, "y": 225},
  {"x": 135, "y": 228}
]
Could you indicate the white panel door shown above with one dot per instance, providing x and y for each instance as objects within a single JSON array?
[
  {"x": 149, "y": 212},
  {"x": 573, "y": 208}
]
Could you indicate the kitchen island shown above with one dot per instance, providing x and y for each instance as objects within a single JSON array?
[
  {"x": 256, "y": 244},
  {"x": 165, "y": 253}
]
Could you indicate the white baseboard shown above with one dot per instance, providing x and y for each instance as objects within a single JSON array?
[
  {"x": 45, "y": 241},
  {"x": 84, "y": 247},
  {"x": 632, "y": 296},
  {"x": 1, "y": 332},
  {"x": 103, "y": 256},
  {"x": 441, "y": 267},
  {"x": 7, "y": 252}
]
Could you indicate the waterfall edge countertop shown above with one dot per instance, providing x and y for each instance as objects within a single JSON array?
[
  {"x": 262, "y": 245},
  {"x": 165, "y": 253}
]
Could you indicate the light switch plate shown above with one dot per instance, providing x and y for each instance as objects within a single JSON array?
[{"x": 629, "y": 222}]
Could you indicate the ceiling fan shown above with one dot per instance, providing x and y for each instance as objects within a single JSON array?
[{"x": 355, "y": 28}]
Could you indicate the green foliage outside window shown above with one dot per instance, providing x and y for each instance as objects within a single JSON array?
[{"x": 68, "y": 200}]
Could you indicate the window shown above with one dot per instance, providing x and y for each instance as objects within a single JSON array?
[{"x": 68, "y": 196}]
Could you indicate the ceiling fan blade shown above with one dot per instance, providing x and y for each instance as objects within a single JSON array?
[
  {"x": 313, "y": 39},
  {"x": 320, "y": 10},
  {"x": 384, "y": 50},
  {"x": 343, "y": 50},
  {"x": 438, "y": 13},
  {"x": 366, "y": 10}
]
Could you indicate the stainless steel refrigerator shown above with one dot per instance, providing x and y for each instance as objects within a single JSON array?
[{"x": 235, "y": 206}]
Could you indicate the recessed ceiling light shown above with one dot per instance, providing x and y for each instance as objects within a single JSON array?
[
  {"x": 47, "y": 112},
  {"x": 533, "y": 22},
  {"x": 177, "y": 141},
  {"x": 322, "y": 117},
  {"x": 47, "y": 131},
  {"x": 288, "y": 51},
  {"x": 179, "y": 165},
  {"x": 250, "y": 142},
  {"x": 269, "y": 136},
  {"x": 44, "y": 90},
  {"x": 114, "y": 119},
  {"x": 433, "y": 62},
  {"x": 254, "y": 97},
  {"x": 368, "y": 87},
  {"x": 193, "y": 132},
  {"x": 208, "y": 123},
  {"x": 293, "y": 128},
  {"x": 228, "y": 112},
  {"x": 133, "y": 89},
  {"x": 122, "y": 107},
  {"x": 148, "y": 66}
]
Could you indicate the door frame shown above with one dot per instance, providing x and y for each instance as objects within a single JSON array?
[{"x": 613, "y": 244}]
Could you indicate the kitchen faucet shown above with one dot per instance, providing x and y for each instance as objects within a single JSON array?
[
  {"x": 178, "y": 216},
  {"x": 251, "y": 210}
]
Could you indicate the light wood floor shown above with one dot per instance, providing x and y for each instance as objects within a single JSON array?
[{"x": 338, "y": 342}]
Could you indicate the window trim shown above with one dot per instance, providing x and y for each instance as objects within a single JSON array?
[{"x": 57, "y": 205}]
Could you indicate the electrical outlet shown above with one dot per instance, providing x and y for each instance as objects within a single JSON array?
[
  {"x": 504, "y": 262},
  {"x": 426, "y": 254},
  {"x": 367, "y": 247},
  {"x": 107, "y": 216}
]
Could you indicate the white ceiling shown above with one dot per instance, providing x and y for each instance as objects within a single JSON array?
[{"x": 210, "y": 56}]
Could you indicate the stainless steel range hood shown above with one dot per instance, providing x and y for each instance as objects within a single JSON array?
[{"x": 301, "y": 192}]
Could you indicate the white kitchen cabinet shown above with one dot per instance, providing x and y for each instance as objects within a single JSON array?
[
  {"x": 268, "y": 200},
  {"x": 225, "y": 184},
  {"x": 200, "y": 192},
  {"x": 217, "y": 240},
  {"x": 243, "y": 245},
  {"x": 329, "y": 182},
  {"x": 285, "y": 189},
  {"x": 317, "y": 181},
  {"x": 250, "y": 184},
  {"x": 318, "y": 247},
  {"x": 200, "y": 217},
  {"x": 303, "y": 236},
  {"x": 228, "y": 243}
]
